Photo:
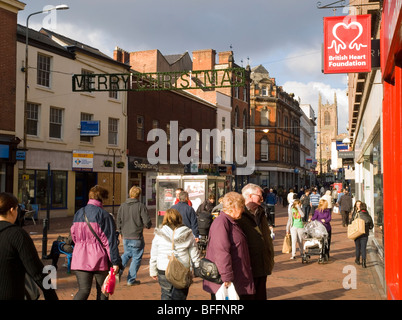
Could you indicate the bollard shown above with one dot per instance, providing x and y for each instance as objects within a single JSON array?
[{"x": 44, "y": 238}]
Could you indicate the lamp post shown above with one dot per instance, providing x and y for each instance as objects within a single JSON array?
[
  {"x": 114, "y": 151},
  {"x": 25, "y": 69}
]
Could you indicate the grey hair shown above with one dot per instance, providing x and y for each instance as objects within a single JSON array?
[{"x": 249, "y": 189}]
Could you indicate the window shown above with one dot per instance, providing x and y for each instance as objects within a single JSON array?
[
  {"x": 87, "y": 84},
  {"x": 327, "y": 119},
  {"x": 245, "y": 94},
  {"x": 236, "y": 92},
  {"x": 286, "y": 122},
  {"x": 113, "y": 92},
  {"x": 264, "y": 91},
  {"x": 112, "y": 131},
  {"x": 140, "y": 128},
  {"x": 86, "y": 117},
  {"x": 168, "y": 133},
  {"x": 55, "y": 123},
  {"x": 32, "y": 119},
  {"x": 43, "y": 70},
  {"x": 264, "y": 149},
  {"x": 264, "y": 116},
  {"x": 223, "y": 123},
  {"x": 236, "y": 117}
]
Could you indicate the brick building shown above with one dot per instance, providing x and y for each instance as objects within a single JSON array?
[
  {"x": 8, "y": 53},
  {"x": 275, "y": 116}
]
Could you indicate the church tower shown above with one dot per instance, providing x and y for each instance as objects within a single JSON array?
[{"x": 327, "y": 127}]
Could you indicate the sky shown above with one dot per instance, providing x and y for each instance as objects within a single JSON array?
[{"x": 284, "y": 36}]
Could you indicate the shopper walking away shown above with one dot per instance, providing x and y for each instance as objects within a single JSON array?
[
  {"x": 345, "y": 204},
  {"x": 361, "y": 242},
  {"x": 18, "y": 255},
  {"x": 260, "y": 245},
  {"x": 228, "y": 249},
  {"x": 271, "y": 201},
  {"x": 328, "y": 198},
  {"x": 187, "y": 213},
  {"x": 323, "y": 215},
  {"x": 95, "y": 238},
  {"x": 132, "y": 218},
  {"x": 295, "y": 226},
  {"x": 185, "y": 249}
]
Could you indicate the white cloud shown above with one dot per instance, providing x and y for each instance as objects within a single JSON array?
[{"x": 309, "y": 92}]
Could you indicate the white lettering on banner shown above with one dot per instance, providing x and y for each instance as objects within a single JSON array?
[{"x": 189, "y": 152}]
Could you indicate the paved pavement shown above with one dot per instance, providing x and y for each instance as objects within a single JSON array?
[{"x": 290, "y": 280}]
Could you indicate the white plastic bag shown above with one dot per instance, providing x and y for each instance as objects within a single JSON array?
[{"x": 227, "y": 293}]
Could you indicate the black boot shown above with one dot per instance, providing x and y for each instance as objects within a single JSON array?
[
  {"x": 357, "y": 261},
  {"x": 364, "y": 263}
]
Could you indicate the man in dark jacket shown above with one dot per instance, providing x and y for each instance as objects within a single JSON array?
[
  {"x": 346, "y": 205},
  {"x": 187, "y": 213},
  {"x": 255, "y": 226},
  {"x": 132, "y": 218}
]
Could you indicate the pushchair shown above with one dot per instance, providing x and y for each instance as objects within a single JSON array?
[
  {"x": 204, "y": 219},
  {"x": 315, "y": 241}
]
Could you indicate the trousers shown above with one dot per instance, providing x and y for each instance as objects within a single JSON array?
[{"x": 84, "y": 279}]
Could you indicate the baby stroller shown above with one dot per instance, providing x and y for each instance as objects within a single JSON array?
[
  {"x": 315, "y": 241},
  {"x": 204, "y": 219}
]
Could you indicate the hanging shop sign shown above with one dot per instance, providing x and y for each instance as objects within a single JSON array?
[
  {"x": 347, "y": 44},
  {"x": 157, "y": 81}
]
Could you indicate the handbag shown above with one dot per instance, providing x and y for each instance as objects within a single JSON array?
[
  {"x": 110, "y": 264},
  {"x": 209, "y": 271},
  {"x": 356, "y": 228},
  {"x": 176, "y": 273},
  {"x": 287, "y": 244}
]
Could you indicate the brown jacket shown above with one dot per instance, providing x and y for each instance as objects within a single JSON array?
[{"x": 255, "y": 225}]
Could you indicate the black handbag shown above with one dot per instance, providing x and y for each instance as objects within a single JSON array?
[{"x": 209, "y": 271}]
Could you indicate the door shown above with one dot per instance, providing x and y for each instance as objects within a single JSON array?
[{"x": 84, "y": 181}]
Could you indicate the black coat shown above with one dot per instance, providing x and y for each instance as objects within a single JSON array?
[{"x": 367, "y": 219}]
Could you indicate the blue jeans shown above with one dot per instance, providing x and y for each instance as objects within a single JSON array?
[
  {"x": 133, "y": 249},
  {"x": 168, "y": 292}
]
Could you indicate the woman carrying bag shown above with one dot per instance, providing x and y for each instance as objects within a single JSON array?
[
  {"x": 185, "y": 250},
  {"x": 361, "y": 242},
  {"x": 96, "y": 248},
  {"x": 295, "y": 226}
]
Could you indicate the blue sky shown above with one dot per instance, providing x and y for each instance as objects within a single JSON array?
[{"x": 284, "y": 36}]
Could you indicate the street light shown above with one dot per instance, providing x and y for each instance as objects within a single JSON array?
[{"x": 59, "y": 7}]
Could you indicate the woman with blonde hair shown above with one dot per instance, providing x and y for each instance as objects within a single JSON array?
[
  {"x": 323, "y": 215},
  {"x": 295, "y": 226},
  {"x": 185, "y": 249},
  {"x": 228, "y": 249}
]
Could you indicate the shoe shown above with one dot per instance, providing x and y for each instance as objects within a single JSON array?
[
  {"x": 134, "y": 283},
  {"x": 364, "y": 263},
  {"x": 293, "y": 258},
  {"x": 357, "y": 261}
]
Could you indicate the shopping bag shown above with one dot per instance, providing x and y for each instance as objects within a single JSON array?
[
  {"x": 335, "y": 209},
  {"x": 356, "y": 228},
  {"x": 109, "y": 284},
  {"x": 287, "y": 244},
  {"x": 177, "y": 274},
  {"x": 227, "y": 293}
]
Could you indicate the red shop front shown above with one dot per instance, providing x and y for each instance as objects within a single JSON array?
[{"x": 391, "y": 66}]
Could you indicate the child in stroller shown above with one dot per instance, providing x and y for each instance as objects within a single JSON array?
[
  {"x": 315, "y": 241},
  {"x": 204, "y": 219}
]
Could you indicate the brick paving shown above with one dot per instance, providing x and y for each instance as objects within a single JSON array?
[{"x": 290, "y": 280}]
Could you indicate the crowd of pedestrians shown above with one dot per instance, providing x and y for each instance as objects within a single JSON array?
[{"x": 237, "y": 233}]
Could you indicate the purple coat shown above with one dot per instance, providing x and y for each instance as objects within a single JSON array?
[
  {"x": 326, "y": 215},
  {"x": 228, "y": 248}
]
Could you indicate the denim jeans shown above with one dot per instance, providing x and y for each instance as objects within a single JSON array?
[
  {"x": 133, "y": 249},
  {"x": 361, "y": 247},
  {"x": 168, "y": 292}
]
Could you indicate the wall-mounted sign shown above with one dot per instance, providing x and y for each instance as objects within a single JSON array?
[
  {"x": 347, "y": 44},
  {"x": 90, "y": 128},
  {"x": 4, "y": 151},
  {"x": 83, "y": 160}
]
